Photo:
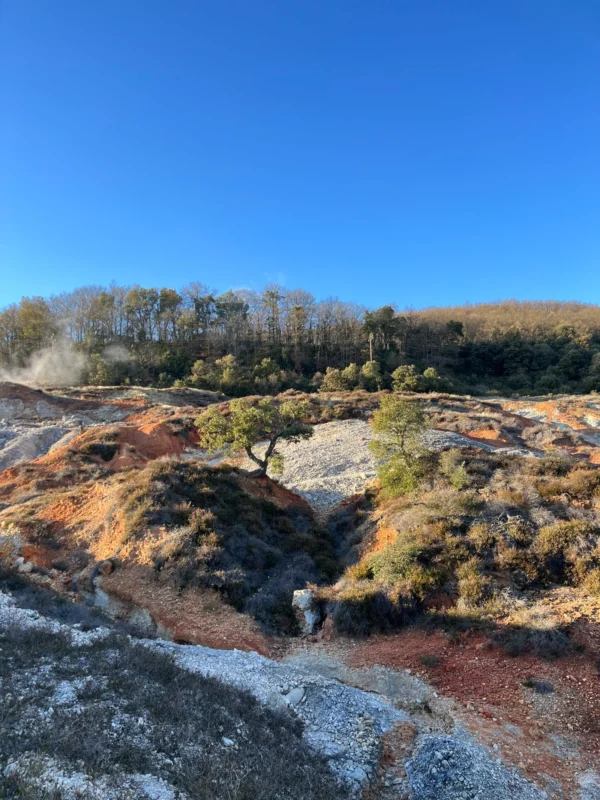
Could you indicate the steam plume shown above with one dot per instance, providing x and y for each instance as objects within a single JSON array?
[{"x": 57, "y": 364}]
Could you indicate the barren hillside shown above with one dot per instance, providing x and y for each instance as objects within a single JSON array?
[{"x": 107, "y": 502}]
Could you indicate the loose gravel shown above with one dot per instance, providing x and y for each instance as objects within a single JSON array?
[
  {"x": 336, "y": 462},
  {"x": 455, "y": 768},
  {"x": 344, "y": 724}
]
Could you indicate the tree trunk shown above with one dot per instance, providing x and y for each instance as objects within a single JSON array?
[{"x": 262, "y": 464}]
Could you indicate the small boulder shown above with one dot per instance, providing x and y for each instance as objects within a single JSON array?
[
  {"x": 296, "y": 696},
  {"x": 26, "y": 567},
  {"x": 307, "y": 610}
]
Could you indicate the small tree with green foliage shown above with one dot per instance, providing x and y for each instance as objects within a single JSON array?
[
  {"x": 405, "y": 378},
  {"x": 333, "y": 381},
  {"x": 400, "y": 425},
  {"x": 452, "y": 466},
  {"x": 249, "y": 423},
  {"x": 268, "y": 376},
  {"x": 101, "y": 372},
  {"x": 202, "y": 376},
  {"x": 165, "y": 380},
  {"x": 432, "y": 381},
  {"x": 231, "y": 375},
  {"x": 351, "y": 376},
  {"x": 370, "y": 376}
]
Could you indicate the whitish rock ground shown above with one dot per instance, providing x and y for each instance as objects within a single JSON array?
[
  {"x": 344, "y": 724},
  {"x": 336, "y": 461}
]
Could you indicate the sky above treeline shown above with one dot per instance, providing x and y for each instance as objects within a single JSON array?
[{"x": 415, "y": 152}]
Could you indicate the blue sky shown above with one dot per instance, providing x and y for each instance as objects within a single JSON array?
[{"x": 418, "y": 152}]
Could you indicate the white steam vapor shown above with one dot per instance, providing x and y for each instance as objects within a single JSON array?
[
  {"x": 56, "y": 364},
  {"x": 116, "y": 353},
  {"x": 59, "y": 364}
]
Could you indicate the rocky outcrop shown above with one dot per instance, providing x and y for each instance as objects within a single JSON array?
[{"x": 307, "y": 610}]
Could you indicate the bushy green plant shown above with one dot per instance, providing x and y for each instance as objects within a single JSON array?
[
  {"x": 165, "y": 380},
  {"x": 332, "y": 381},
  {"x": 405, "y": 378},
  {"x": 268, "y": 376},
  {"x": 365, "y": 608},
  {"x": 351, "y": 376},
  {"x": 371, "y": 378},
  {"x": 202, "y": 376},
  {"x": 592, "y": 582},
  {"x": 400, "y": 425},
  {"x": 452, "y": 466},
  {"x": 231, "y": 377},
  {"x": 473, "y": 586}
]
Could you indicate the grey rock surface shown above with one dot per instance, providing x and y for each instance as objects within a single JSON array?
[
  {"x": 455, "y": 768},
  {"x": 343, "y": 723}
]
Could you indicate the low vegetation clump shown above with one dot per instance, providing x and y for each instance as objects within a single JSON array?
[
  {"x": 475, "y": 533},
  {"x": 538, "y": 686},
  {"x": 113, "y": 708},
  {"x": 217, "y": 529}
]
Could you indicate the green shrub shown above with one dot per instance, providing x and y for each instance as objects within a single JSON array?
[
  {"x": 473, "y": 587},
  {"x": 482, "y": 537},
  {"x": 582, "y": 483},
  {"x": 401, "y": 563},
  {"x": 371, "y": 378},
  {"x": 333, "y": 381},
  {"x": 400, "y": 425},
  {"x": 553, "y": 540},
  {"x": 351, "y": 376},
  {"x": 551, "y": 464},
  {"x": 365, "y": 608},
  {"x": 545, "y": 642},
  {"x": 450, "y": 503},
  {"x": 452, "y": 467},
  {"x": 405, "y": 379}
]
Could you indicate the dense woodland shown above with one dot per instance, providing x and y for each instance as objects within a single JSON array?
[{"x": 243, "y": 342}]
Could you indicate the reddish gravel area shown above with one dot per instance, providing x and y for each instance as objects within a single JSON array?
[{"x": 551, "y": 736}]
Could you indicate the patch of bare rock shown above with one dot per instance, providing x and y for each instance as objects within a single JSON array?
[
  {"x": 347, "y": 718},
  {"x": 336, "y": 462}
]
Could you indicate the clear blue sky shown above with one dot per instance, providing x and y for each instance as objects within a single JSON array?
[{"x": 419, "y": 152}]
